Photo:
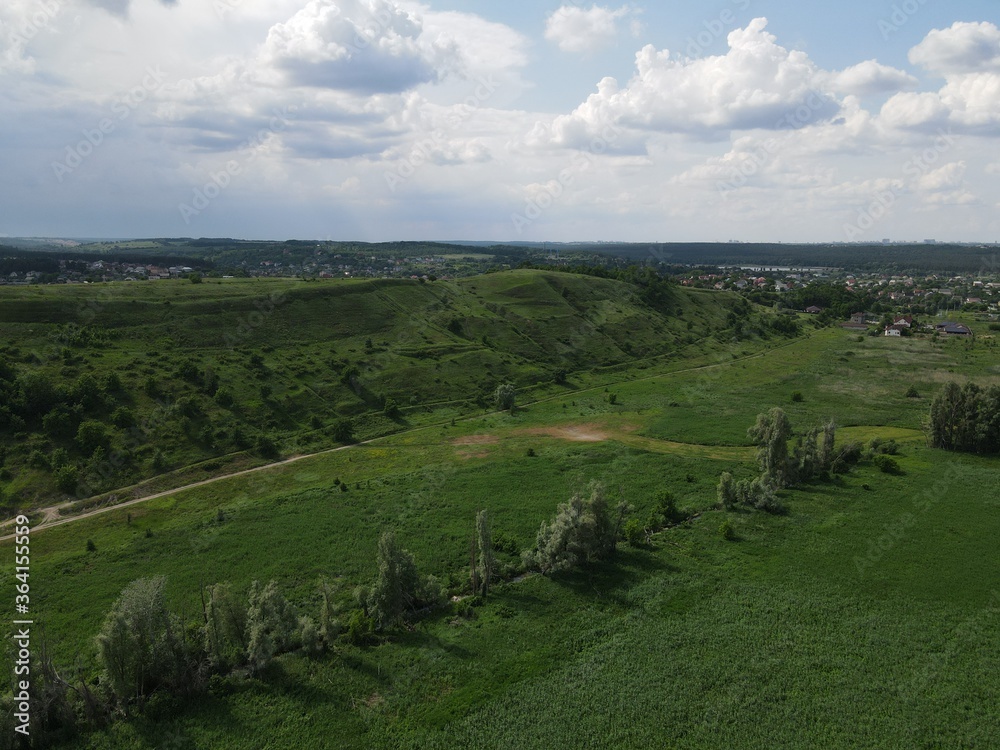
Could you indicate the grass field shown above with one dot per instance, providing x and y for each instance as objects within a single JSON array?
[
  {"x": 863, "y": 618},
  {"x": 293, "y": 358}
]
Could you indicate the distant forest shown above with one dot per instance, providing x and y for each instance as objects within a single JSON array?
[
  {"x": 916, "y": 257},
  {"x": 208, "y": 253}
]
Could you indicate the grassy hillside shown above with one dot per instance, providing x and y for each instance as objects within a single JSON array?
[
  {"x": 170, "y": 374},
  {"x": 866, "y": 617}
]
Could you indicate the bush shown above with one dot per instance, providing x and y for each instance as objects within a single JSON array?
[
  {"x": 342, "y": 431},
  {"x": 728, "y": 531},
  {"x": 634, "y": 532},
  {"x": 797, "y": 397},
  {"x": 91, "y": 435},
  {"x": 266, "y": 447},
  {"x": 504, "y": 543},
  {"x": 887, "y": 447},
  {"x": 66, "y": 479},
  {"x": 360, "y": 628},
  {"x": 391, "y": 409},
  {"x": 886, "y": 464},
  {"x": 123, "y": 417},
  {"x": 846, "y": 457},
  {"x": 224, "y": 398},
  {"x": 912, "y": 392}
]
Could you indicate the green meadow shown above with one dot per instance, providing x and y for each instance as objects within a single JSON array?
[{"x": 867, "y": 616}]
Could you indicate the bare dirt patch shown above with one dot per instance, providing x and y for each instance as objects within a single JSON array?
[
  {"x": 476, "y": 440},
  {"x": 581, "y": 433}
]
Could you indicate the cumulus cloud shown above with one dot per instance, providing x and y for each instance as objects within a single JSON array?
[
  {"x": 963, "y": 48},
  {"x": 871, "y": 77},
  {"x": 968, "y": 56},
  {"x": 574, "y": 29},
  {"x": 756, "y": 84},
  {"x": 948, "y": 177},
  {"x": 367, "y": 46}
]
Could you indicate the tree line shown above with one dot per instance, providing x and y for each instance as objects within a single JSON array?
[{"x": 967, "y": 419}]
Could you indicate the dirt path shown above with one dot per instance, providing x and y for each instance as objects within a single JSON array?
[{"x": 51, "y": 515}]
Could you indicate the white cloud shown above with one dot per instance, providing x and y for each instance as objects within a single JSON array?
[
  {"x": 368, "y": 46},
  {"x": 948, "y": 177},
  {"x": 757, "y": 84},
  {"x": 963, "y": 48},
  {"x": 574, "y": 29},
  {"x": 968, "y": 56},
  {"x": 870, "y": 77}
]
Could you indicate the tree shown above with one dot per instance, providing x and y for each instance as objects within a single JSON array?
[
  {"x": 395, "y": 587},
  {"x": 138, "y": 646},
  {"x": 826, "y": 448},
  {"x": 727, "y": 491},
  {"x": 270, "y": 624},
  {"x": 91, "y": 435},
  {"x": 504, "y": 397},
  {"x": 330, "y": 625},
  {"x": 343, "y": 431},
  {"x": 771, "y": 433},
  {"x": 966, "y": 419},
  {"x": 225, "y": 627},
  {"x": 391, "y": 408},
  {"x": 583, "y": 530},
  {"x": 486, "y": 564}
]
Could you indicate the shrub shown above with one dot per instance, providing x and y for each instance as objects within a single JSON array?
[
  {"x": 38, "y": 460},
  {"x": 504, "y": 543},
  {"x": 91, "y": 435},
  {"x": 123, "y": 417},
  {"x": 391, "y": 408},
  {"x": 887, "y": 447},
  {"x": 797, "y": 397},
  {"x": 728, "y": 531},
  {"x": 912, "y": 392},
  {"x": 342, "y": 431},
  {"x": 886, "y": 464},
  {"x": 266, "y": 447},
  {"x": 224, "y": 398},
  {"x": 634, "y": 533},
  {"x": 66, "y": 479},
  {"x": 91, "y": 547},
  {"x": 846, "y": 457}
]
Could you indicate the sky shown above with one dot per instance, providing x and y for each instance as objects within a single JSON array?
[{"x": 527, "y": 120}]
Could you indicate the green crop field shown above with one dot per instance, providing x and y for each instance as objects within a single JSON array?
[{"x": 867, "y": 616}]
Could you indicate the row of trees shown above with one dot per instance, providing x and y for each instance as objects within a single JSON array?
[
  {"x": 967, "y": 419},
  {"x": 814, "y": 455}
]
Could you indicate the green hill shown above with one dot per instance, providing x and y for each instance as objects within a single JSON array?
[{"x": 105, "y": 385}]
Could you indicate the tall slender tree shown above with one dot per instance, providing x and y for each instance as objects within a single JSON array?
[{"x": 486, "y": 564}]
